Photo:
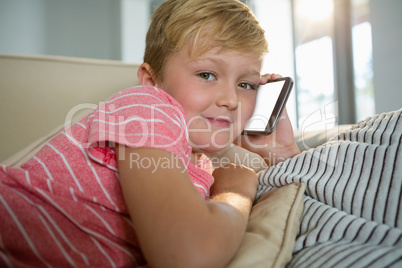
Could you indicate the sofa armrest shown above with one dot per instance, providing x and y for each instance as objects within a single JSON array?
[
  {"x": 311, "y": 139},
  {"x": 37, "y": 92}
]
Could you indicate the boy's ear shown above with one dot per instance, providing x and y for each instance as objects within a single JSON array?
[{"x": 145, "y": 75}]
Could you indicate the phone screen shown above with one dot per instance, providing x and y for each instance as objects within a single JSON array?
[{"x": 270, "y": 102}]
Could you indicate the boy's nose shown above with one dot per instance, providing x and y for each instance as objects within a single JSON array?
[{"x": 228, "y": 97}]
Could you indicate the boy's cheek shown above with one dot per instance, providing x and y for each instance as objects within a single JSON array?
[
  {"x": 247, "y": 104},
  {"x": 246, "y": 114}
]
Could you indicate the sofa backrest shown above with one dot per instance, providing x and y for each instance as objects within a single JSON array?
[{"x": 38, "y": 92}]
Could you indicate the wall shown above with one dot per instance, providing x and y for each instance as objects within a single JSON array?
[
  {"x": 386, "y": 22},
  {"x": 89, "y": 28},
  {"x": 22, "y": 26}
]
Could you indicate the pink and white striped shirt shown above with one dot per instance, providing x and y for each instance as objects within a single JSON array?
[{"x": 64, "y": 207}]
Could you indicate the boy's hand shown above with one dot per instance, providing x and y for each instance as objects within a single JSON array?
[
  {"x": 235, "y": 179},
  {"x": 279, "y": 145}
]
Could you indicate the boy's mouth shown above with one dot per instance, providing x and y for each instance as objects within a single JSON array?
[{"x": 220, "y": 121}]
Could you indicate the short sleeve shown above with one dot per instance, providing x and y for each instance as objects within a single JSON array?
[{"x": 138, "y": 117}]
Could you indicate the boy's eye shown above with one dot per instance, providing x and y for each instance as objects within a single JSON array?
[
  {"x": 246, "y": 86},
  {"x": 207, "y": 76}
]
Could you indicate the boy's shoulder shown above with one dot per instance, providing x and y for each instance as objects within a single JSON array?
[
  {"x": 146, "y": 94},
  {"x": 143, "y": 100}
]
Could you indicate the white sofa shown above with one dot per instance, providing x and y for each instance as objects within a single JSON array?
[{"x": 38, "y": 93}]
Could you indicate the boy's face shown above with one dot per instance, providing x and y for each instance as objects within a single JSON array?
[{"x": 217, "y": 92}]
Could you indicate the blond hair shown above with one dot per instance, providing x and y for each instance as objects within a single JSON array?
[{"x": 206, "y": 24}]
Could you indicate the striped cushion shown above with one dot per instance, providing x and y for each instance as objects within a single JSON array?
[{"x": 353, "y": 205}]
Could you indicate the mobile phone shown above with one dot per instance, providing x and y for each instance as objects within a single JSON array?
[{"x": 270, "y": 102}]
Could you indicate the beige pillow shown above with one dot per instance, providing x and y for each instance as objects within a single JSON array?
[{"x": 272, "y": 229}]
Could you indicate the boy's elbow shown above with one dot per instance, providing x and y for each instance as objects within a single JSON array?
[
  {"x": 205, "y": 253},
  {"x": 205, "y": 259}
]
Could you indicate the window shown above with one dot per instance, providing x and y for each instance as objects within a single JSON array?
[
  {"x": 332, "y": 41},
  {"x": 362, "y": 60},
  {"x": 313, "y": 36}
]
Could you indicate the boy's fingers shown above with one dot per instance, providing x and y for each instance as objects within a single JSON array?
[
  {"x": 266, "y": 77},
  {"x": 275, "y": 76}
]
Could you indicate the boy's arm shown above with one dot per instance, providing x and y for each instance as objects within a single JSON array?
[{"x": 174, "y": 225}]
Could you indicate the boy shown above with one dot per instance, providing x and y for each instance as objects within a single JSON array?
[{"x": 147, "y": 145}]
